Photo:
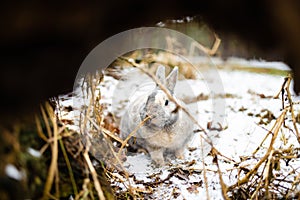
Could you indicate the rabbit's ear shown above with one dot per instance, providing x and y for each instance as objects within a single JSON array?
[
  {"x": 161, "y": 74},
  {"x": 172, "y": 79}
]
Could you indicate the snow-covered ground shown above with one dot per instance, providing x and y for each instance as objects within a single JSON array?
[{"x": 249, "y": 112}]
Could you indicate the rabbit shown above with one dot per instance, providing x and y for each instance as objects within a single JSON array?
[{"x": 168, "y": 129}]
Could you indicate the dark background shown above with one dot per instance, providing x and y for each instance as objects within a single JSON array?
[{"x": 44, "y": 43}]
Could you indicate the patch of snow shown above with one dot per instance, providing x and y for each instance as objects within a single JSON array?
[
  {"x": 34, "y": 152},
  {"x": 249, "y": 94},
  {"x": 240, "y": 62},
  {"x": 12, "y": 172},
  {"x": 258, "y": 63}
]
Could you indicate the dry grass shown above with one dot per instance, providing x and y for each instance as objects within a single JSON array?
[
  {"x": 96, "y": 143},
  {"x": 63, "y": 142},
  {"x": 260, "y": 181}
]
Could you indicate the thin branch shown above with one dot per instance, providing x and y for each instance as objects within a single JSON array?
[
  {"x": 245, "y": 179},
  {"x": 68, "y": 166},
  {"x": 168, "y": 93},
  {"x": 287, "y": 88},
  {"x": 54, "y": 157},
  {"x": 131, "y": 134},
  {"x": 93, "y": 171},
  {"x": 204, "y": 49}
]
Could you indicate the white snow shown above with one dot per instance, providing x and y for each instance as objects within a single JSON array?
[
  {"x": 241, "y": 62},
  {"x": 34, "y": 152},
  {"x": 12, "y": 172},
  {"x": 242, "y": 135}
]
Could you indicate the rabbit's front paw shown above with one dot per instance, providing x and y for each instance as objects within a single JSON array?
[{"x": 158, "y": 157}]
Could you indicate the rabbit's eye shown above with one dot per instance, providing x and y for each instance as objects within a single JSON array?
[{"x": 166, "y": 102}]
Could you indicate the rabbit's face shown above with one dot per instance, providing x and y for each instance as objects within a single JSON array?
[{"x": 161, "y": 110}]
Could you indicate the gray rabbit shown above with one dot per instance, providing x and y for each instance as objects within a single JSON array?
[{"x": 167, "y": 130}]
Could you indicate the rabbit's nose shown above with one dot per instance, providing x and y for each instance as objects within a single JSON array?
[{"x": 176, "y": 109}]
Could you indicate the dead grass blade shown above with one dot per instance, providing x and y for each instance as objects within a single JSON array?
[
  {"x": 204, "y": 49},
  {"x": 132, "y": 134},
  {"x": 252, "y": 172},
  {"x": 223, "y": 185},
  {"x": 45, "y": 119},
  {"x": 291, "y": 104},
  {"x": 39, "y": 129},
  {"x": 93, "y": 172},
  {"x": 69, "y": 167},
  {"x": 167, "y": 92},
  {"x": 54, "y": 150},
  {"x": 204, "y": 171}
]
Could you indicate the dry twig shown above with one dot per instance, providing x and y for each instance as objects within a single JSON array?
[
  {"x": 245, "y": 179},
  {"x": 93, "y": 172},
  {"x": 54, "y": 147},
  {"x": 204, "y": 49},
  {"x": 167, "y": 92}
]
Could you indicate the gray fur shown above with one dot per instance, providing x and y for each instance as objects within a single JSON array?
[{"x": 169, "y": 129}]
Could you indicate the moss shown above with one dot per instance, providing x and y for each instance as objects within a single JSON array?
[{"x": 251, "y": 69}]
